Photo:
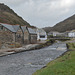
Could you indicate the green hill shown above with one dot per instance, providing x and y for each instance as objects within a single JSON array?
[{"x": 7, "y": 15}]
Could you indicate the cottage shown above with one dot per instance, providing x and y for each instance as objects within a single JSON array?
[
  {"x": 32, "y": 35},
  {"x": 25, "y": 34},
  {"x": 10, "y": 33},
  {"x": 41, "y": 34},
  {"x": 66, "y": 34},
  {"x": 71, "y": 33},
  {"x": 61, "y": 35},
  {"x": 17, "y": 33},
  {"x": 58, "y": 34},
  {"x": 53, "y": 33},
  {"x": 29, "y": 35}
]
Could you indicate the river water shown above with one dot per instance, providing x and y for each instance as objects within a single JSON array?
[{"x": 26, "y": 63}]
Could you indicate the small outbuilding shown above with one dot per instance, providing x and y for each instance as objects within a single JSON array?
[
  {"x": 25, "y": 34},
  {"x": 32, "y": 35},
  {"x": 71, "y": 33},
  {"x": 53, "y": 33},
  {"x": 41, "y": 34},
  {"x": 9, "y": 33}
]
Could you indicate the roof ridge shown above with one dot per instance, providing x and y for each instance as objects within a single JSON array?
[
  {"x": 10, "y": 27},
  {"x": 14, "y": 27},
  {"x": 8, "y": 23}
]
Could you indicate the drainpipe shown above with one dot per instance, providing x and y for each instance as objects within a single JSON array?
[
  {"x": 15, "y": 37},
  {"x": 29, "y": 35},
  {"x": 29, "y": 38},
  {"x": 23, "y": 38}
]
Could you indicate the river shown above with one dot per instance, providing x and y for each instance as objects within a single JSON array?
[{"x": 26, "y": 63}]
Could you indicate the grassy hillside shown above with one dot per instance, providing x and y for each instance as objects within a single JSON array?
[
  {"x": 64, "y": 65},
  {"x": 7, "y": 15},
  {"x": 66, "y": 25},
  {"x": 48, "y": 29}
]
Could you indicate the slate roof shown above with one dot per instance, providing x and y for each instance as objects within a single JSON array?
[
  {"x": 24, "y": 28},
  {"x": 41, "y": 32},
  {"x": 32, "y": 31},
  {"x": 12, "y": 28}
]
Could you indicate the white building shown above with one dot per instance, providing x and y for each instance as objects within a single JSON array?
[
  {"x": 41, "y": 34},
  {"x": 71, "y": 33},
  {"x": 54, "y": 33}
]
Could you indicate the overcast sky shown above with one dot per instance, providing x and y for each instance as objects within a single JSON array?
[{"x": 42, "y": 13}]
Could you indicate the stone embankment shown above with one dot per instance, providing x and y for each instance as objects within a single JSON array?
[
  {"x": 29, "y": 47},
  {"x": 4, "y": 52}
]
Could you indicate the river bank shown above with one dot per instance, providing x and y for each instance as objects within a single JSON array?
[
  {"x": 63, "y": 65},
  {"x": 26, "y": 63},
  {"x": 29, "y": 47}
]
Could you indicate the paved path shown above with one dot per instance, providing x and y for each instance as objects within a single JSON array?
[{"x": 26, "y": 63}]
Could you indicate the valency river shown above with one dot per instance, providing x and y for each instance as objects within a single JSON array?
[{"x": 26, "y": 63}]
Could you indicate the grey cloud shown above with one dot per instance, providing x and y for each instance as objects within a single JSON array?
[
  {"x": 42, "y": 13},
  {"x": 13, "y": 2}
]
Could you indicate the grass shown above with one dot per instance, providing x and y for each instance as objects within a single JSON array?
[
  {"x": 64, "y": 65},
  {"x": 71, "y": 46}
]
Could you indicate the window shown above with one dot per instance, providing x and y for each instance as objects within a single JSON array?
[{"x": 42, "y": 36}]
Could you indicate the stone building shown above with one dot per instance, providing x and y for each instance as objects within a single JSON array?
[
  {"x": 29, "y": 34},
  {"x": 53, "y": 33},
  {"x": 71, "y": 34},
  {"x": 32, "y": 35},
  {"x": 10, "y": 33},
  {"x": 17, "y": 33},
  {"x": 25, "y": 34}
]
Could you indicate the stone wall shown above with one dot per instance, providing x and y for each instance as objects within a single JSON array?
[
  {"x": 33, "y": 38},
  {"x": 19, "y": 36},
  {"x": 26, "y": 37},
  {"x": 6, "y": 36}
]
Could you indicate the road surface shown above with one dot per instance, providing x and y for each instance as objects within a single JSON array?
[{"x": 26, "y": 63}]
